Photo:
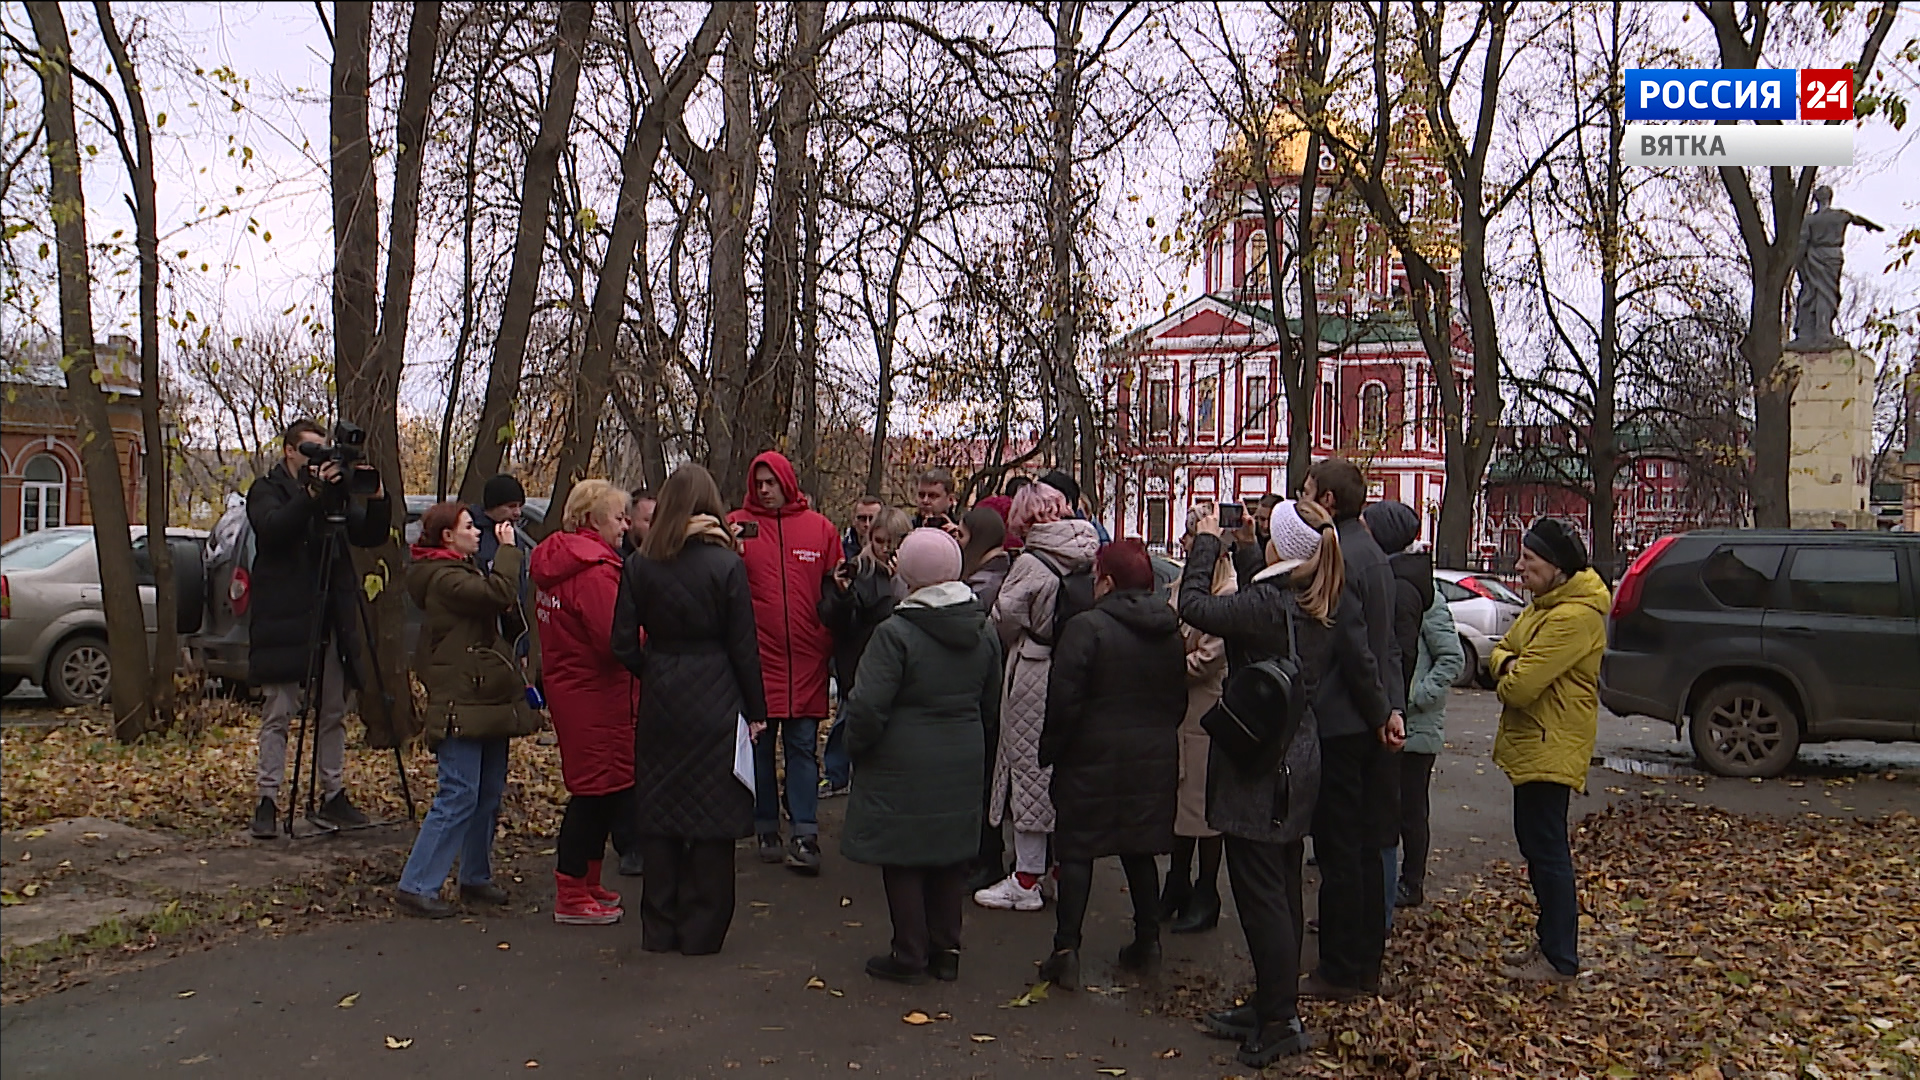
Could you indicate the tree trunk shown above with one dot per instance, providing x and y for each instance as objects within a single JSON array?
[
  {"x": 1076, "y": 438},
  {"x": 637, "y": 161},
  {"x": 99, "y": 457},
  {"x": 166, "y": 639},
  {"x": 729, "y": 432},
  {"x": 443, "y": 463},
  {"x": 356, "y": 212},
  {"x": 809, "y": 375},
  {"x": 542, "y": 171}
]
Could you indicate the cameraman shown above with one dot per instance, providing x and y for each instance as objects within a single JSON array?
[{"x": 287, "y": 509}]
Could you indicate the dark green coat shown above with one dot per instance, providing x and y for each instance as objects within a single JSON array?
[
  {"x": 474, "y": 688},
  {"x": 929, "y": 684}
]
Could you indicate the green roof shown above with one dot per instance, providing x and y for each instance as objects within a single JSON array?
[{"x": 1336, "y": 329}]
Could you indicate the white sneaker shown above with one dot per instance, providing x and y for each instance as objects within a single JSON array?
[{"x": 1010, "y": 895}]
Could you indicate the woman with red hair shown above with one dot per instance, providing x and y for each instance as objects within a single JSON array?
[{"x": 1115, "y": 698}]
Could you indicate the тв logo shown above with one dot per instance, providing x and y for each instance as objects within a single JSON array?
[{"x": 1759, "y": 94}]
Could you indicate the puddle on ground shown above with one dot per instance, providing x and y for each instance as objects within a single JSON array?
[{"x": 1641, "y": 767}]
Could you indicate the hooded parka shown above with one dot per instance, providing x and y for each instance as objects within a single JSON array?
[
  {"x": 1116, "y": 694},
  {"x": 1551, "y": 693},
  {"x": 928, "y": 687},
  {"x": 474, "y": 688},
  {"x": 590, "y": 697},
  {"x": 787, "y": 567}
]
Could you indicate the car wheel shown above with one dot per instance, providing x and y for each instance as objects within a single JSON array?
[
  {"x": 1470, "y": 671},
  {"x": 1745, "y": 729},
  {"x": 79, "y": 672}
]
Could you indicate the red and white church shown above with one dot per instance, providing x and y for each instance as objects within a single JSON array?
[{"x": 1199, "y": 411}]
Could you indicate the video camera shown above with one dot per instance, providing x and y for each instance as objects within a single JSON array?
[{"x": 349, "y": 451}]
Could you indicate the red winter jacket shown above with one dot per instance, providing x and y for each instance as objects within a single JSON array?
[
  {"x": 794, "y": 554},
  {"x": 591, "y": 697}
]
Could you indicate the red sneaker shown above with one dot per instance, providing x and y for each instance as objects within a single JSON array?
[
  {"x": 574, "y": 905},
  {"x": 607, "y": 897}
]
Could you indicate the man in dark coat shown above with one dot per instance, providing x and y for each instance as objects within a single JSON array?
[
  {"x": 1395, "y": 526},
  {"x": 1359, "y": 811},
  {"x": 503, "y": 499},
  {"x": 1116, "y": 694},
  {"x": 287, "y": 511}
]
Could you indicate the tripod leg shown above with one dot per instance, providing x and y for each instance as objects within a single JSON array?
[{"x": 406, "y": 792}]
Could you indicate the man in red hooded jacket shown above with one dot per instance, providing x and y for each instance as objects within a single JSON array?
[{"x": 788, "y": 561}]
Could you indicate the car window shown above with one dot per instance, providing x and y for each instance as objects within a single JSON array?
[
  {"x": 1852, "y": 580},
  {"x": 1501, "y": 592},
  {"x": 1452, "y": 593},
  {"x": 37, "y": 551},
  {"x": 1741, "y": 575}
]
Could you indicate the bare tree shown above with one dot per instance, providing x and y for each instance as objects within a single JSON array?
[
  {"x": 99, "y": 459},
  {"x": 1743, "y": 38}
]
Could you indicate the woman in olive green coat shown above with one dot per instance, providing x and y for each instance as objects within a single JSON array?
[
  {"x": 927, "y": 690},
  {"x": 476, "y": 701}
]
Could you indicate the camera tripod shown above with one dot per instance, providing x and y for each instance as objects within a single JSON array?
[{"x": 321, "y": 636}]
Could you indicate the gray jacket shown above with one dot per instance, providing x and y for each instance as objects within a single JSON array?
[{"x": 1440, "y": 663}]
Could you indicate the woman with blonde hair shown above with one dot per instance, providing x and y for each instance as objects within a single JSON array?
[
  {"x": 1192, "y": 906},
  {"x": 590, "y": 697},
  {"x": 1297, "y": 607},
  {"x": 1056, "y": 545},
  {"x": 683, "y": 625}
]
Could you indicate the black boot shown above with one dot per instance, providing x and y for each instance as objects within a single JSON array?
[
  {"x": 1174, "y": 896},
  {"x": 944, "y": 964},
  {"x": 1406, "y": 895},
  {"x": 891, "y": 968},
  {"x": 1282, "y": 1038},
  {"x": 1239, "y": 1023},
  {"x": 266, "y": 823},
  {"x": 1202, "y": 912},
  {"x": 1062, "y": 969},
  {"x": 1142, "y": 956}
]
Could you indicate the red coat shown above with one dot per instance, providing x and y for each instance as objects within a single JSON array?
[
  {"x": 591, "y": 697},
  {"x": 787, "y": 564}
]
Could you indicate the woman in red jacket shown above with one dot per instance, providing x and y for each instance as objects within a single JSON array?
[{"x": 589, "y": 694}]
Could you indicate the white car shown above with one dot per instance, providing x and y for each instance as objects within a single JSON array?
[{"x": 1483, "y": 610}]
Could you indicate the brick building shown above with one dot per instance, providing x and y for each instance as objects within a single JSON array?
[{"x": 41, "y": 482}]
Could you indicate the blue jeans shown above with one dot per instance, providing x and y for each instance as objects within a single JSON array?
[
  {"x": 459, "y": 825},
  {"x": 803, "y": 777},
  {"x": 839, "y": 763},
  {"x": 1540, "y": 825}
]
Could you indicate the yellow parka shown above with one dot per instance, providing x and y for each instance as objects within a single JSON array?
[{"x": 1551, "y": 693}]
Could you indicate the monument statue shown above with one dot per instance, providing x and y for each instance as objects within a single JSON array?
[{"x": 1823, "y": 238}]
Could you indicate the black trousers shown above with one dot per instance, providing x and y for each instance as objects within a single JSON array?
[
  {"x": 1353, "y": 887},
  {"x": 1540, "y": 826},
  {"x": 584, "y": 828},
  {"x": 1076, "y": 888},
  {"x": 925, "y": 904},
  {"x": 993, "y": 843},
  {"x": 1416, "y": 835},
  {"x": 687, "y": 900},
  {"x": 1266, "y": 892}
]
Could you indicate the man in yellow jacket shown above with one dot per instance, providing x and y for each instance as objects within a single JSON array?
[{"x": 1548, "y": 672}]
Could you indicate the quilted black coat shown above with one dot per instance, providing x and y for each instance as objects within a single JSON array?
[
  {"x": 1115, "y": 697},
  {"x": 287, "y": 538},
  {"x": 685, "y": 629}
]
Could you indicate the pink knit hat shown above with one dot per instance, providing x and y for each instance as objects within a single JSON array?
[{"x": 927, "y": 557}]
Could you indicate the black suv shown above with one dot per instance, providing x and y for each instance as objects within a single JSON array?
[{"x": 1761, "y": 640}]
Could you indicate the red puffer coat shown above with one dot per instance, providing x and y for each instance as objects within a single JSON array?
[
  {"x": 591, "y": 696},
  {"x": 787, "y": 563}
]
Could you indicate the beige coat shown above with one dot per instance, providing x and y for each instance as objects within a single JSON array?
[
  {"x": 1023, "y": 609},
  {"x": 1206, "y": 675}
]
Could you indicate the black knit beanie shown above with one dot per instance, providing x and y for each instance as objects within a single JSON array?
[
  {"x": 1555, "y": 541},
  {"x": 1059, "y": 481},
  {"x": 500, "y": 491}
]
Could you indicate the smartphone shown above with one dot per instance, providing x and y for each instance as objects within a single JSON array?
[
  {"x": 747, "y": 530},
  {"x": 1232, "y": 515},
  {"x": 937, "y": 521}
]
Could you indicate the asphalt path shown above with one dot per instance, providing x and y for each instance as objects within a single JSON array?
[{"x": 787, "y": 997}]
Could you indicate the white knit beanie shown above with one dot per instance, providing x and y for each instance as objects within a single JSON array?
[{"x": 1293, "y": 539}]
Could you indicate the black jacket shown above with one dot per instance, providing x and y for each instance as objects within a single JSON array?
[
  {"x": 852, "y": 615},
  {"x": 699, "y": 672},
  {"x": 1116, "y": 694},
  {"x": 1412, "y": 595},
  {"x": 1253, "y": 623},
  {"x": 1370, "y": 583},
  {"x": 1248, "y": 560},
  {"x": 287, "y": 539}
]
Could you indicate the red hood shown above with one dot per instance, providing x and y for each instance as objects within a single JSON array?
[
  {"x": 565, "y": 554},
  {"x": 789, "y": 485},
  {"x": 421, "y": 554}
]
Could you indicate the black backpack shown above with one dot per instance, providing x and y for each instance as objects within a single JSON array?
[
  {"x": 1260, "y": 709},
  {"x": 1074, "y": 595}
]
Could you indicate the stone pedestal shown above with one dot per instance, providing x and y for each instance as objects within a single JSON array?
[{"x": 1832, "y": 440}]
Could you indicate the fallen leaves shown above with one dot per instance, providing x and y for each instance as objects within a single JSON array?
[
  {"x": 917, "y": 1018},
  {"x": 1715, "y": 946},
  {"x": 1036, "y": 993},
  {"x": 816, "y": 983},
  {"x": 981, "y": 1038},
  {"x": 348, "y": 1001},
  {"x": 186, "y": 993},
  {"x": 398, "y": 1044}
]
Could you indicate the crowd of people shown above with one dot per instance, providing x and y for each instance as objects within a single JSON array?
[{"x": 1017, "y": 697}]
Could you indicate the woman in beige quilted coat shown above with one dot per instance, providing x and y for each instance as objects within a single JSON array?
[
  {"x": 1056, "y": 544},
  {"x": 1190, "y": 906}
]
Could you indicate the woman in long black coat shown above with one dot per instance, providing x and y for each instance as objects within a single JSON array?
[
  {"x": 1115, "y": 698},
  {"x": 683, "y": 625}
]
